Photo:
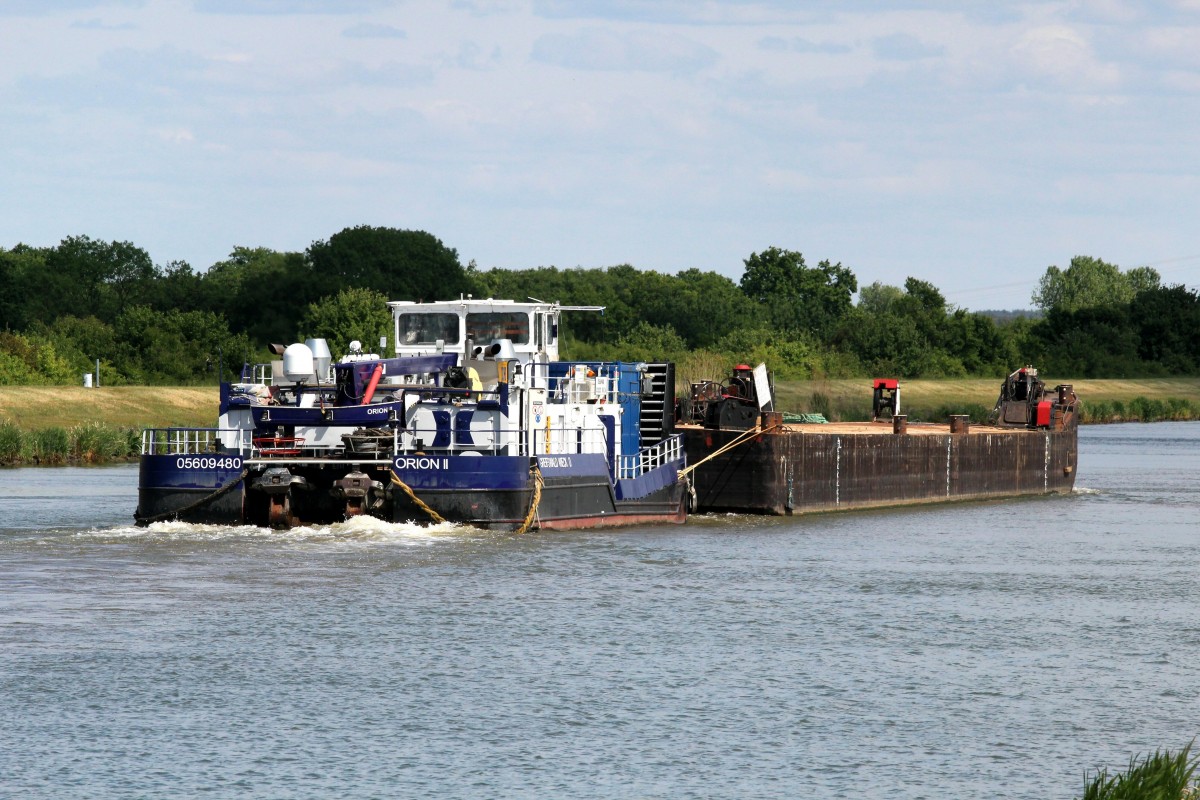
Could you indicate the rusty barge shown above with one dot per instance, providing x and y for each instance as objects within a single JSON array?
[{"x": 745, "y": 458}]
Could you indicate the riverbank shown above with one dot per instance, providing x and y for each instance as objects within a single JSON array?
[
  {"x": 56, "y": 425},
  {"x": 71, "y": 424}
]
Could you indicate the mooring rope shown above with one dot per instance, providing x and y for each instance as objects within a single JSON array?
[
  {"x": 435, "y": 516},
  {"x": 537, "y": 498},
  {"x": 141, "y": 520},
  {"x": 745, "y": 437}
]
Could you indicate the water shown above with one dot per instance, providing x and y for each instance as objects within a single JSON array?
[{"x": 995, "y": 649}]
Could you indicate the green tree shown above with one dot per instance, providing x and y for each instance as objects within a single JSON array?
[
  {"x": 176, "y": 286},
  {"x": 24, "y": 295},
  {"x": 260, "y": 291},
  {"x": 81, "y": 340},
  {"x": 350, "y": 314},
  {"x": 914, "y": 332},
  {"x": 402, "y": 264},
  {"x": 1091, "y": 283},
  {"x": 93, "y": 276},
  {"x": 175, "y": 347},
  {"x": 1096, "y": 342},
  {"x": 28, "y": 360},
  {"x": 1167, "y": 320},
  {"x": 879, "y": 298},
  {"x": 797, "y": 296}
]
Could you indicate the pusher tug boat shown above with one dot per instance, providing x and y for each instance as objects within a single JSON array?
[{"x": 473, "y": 420}]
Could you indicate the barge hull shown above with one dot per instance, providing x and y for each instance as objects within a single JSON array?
[{"x": 788, "y": 471}]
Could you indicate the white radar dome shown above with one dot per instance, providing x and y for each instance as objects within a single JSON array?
[{"x": 297, "y": 362}]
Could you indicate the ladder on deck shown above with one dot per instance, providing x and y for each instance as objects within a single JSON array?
[{"x": 657, "y": 416}]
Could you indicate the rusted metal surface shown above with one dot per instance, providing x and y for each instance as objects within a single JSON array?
[{"x": 863, "y": 465}]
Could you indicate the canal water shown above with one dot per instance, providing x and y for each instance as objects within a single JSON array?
[{"x": 978, "y": 649}]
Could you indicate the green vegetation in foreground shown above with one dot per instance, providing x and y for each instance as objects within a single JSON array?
[{"x": 1162, "y": 776}]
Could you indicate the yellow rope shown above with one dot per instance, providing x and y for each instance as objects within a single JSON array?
[
  {"x": 537, "y": 498},
  {"x": 436, "y": 517},
  {"x": 745, "y": 437}
]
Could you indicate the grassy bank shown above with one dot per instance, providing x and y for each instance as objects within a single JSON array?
[
  {"x": 36, "y": 407},
  {"x": 72, "y": 425}
]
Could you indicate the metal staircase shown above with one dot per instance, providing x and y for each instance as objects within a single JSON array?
[{"x": 658, "y": 403}]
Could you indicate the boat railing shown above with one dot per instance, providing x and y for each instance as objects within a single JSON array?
[
  {"x": 257, "y": 373},
  {"x": 194, "y": 441},
  {"x": 651, "y": 458},
  {"x": 583, "y": 383},
  {"x": 505, "y": 441}
]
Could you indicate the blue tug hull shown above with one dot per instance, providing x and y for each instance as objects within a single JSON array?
[{"x": 494, "y": 492}]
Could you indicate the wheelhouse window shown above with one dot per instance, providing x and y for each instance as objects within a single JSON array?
[
  {"x": 427, "y": 329},
  {"x": 485, "y": 328}
]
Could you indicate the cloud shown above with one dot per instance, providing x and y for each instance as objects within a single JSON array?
[
  {"x": 639, "y": 51},
  {"x": 290, "y": 6},
  {"x": 624, "y": 10},
  {"x": 175, "y": 135},
  {"x": 39, "y": 8},
  {"x": 125, "y": 79},
  {"x": 370, "y": 30},
  {"x": 1060, "y": 55},
  {"x": 472, "y": 56},
  {"x": 904, "y": 47},
  {"x": 801, "y": 45},
  {"x": 390, "y": 74},
  {"x": 100, "y": 25},
  {"x": 483, "y": 8},
  {"x": 698, "y": 12}
]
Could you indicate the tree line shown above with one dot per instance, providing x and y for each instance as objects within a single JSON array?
[{"x": 62, "y": 308}]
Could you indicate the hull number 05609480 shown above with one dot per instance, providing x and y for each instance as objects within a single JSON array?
[{"x": 209, "y": 462}]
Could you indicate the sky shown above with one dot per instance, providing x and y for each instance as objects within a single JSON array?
[{"x": 968, "y": 144}]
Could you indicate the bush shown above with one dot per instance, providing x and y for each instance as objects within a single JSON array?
[
  {"x": 1145, "y": 410},
  {"x": 1095, "y": 412},
  {"x": 11, "y": 443},
  {"x": 95, "y": 442},
  {"x": 1139, "y": 409},
  {"x": 50, "y": 445},
  {"x": 133, "y": 442},
  {"x": 1179, "y": 408}
]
